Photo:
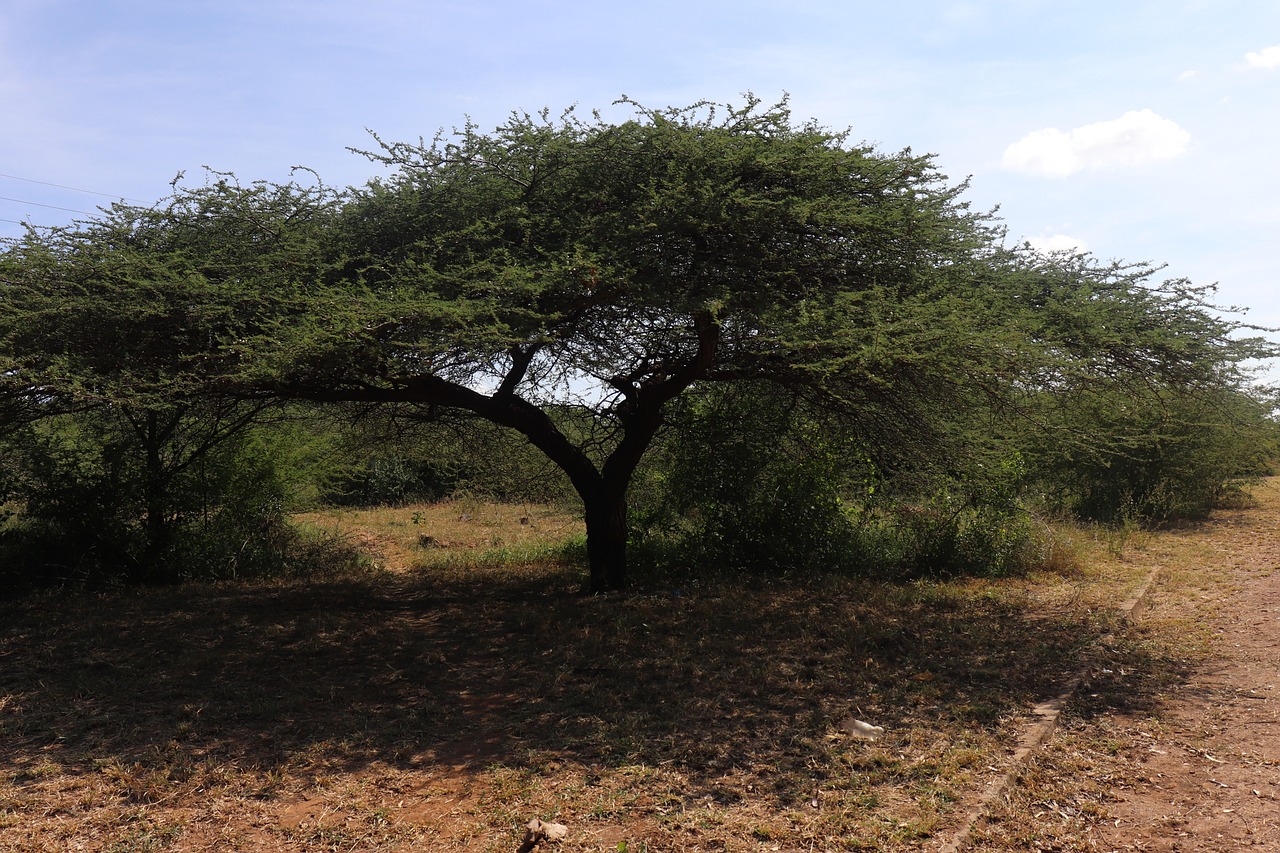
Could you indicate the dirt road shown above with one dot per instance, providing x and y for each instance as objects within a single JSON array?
[{"x": 1174, "y": 745}]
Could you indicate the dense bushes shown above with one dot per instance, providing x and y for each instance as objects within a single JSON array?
[
  {"x": 1123, "y": 455},
  {"x": 390, "y": 479},
  {"x": 110, "y": 495},
  {"x": 396, "y": 458},
  {"x": 752, "y": 482},
  {"x": 764, "y": 497},
  {"x": 757, "y": 483}
]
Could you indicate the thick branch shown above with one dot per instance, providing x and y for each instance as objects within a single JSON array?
[
  {"x": 642, "y": 416},
  {"x": 520, "y": 361},
  {"x": 507, "y": 410}
]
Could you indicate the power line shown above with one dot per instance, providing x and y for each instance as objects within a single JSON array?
[
  {"x": 65, "y": 187},
  {"x": 39, "y": 204}
]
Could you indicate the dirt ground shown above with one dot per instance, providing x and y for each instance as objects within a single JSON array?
[
  {"x": 395, "y": 716},
  {"x": 1212, "y": 782},
  {"x": 1197, "y": 768}
]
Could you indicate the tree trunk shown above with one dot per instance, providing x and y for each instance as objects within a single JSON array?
[
  {"x": 603, "y": 490},
  {"x": 606, "y": 517},
  {"x": 605, "y": 502}
]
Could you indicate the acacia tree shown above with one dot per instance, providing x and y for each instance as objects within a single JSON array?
[
  {"x": 561, "y": 269},
  {"x": 570, "y": 278}
]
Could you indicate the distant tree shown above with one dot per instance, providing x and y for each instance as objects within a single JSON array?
[
  {"x": 1147, "y": 408},
  {"x": 1116, "y": 453},
  {"x": 570, "y": 278}
]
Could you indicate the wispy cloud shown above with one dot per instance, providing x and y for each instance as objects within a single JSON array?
[
  {"x": 1136, "y": 138},
  {"x": 1268, "y": 58}
]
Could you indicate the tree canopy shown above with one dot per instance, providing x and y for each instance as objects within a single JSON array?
[{"x": 569, "y": 278}]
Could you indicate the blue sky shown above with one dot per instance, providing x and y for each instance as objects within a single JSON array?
[{"x": 1137, "y": 130}]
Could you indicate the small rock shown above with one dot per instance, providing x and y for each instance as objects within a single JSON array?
[
  {"x": 537, "y": 832},
  {"x": 861, "y": 730}
]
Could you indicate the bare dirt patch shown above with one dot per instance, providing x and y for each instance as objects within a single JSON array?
[{"x": 1184, "y": 756}]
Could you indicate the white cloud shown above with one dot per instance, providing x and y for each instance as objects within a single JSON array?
[
  {"x": 1057, "y": 243},
  {"x": 1268, "y": 58},
  {"x": 1136, "y": 138}
]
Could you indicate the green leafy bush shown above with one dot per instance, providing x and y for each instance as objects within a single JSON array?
[
  {"x": 392, "y": 479},
  {"x": 759, "y": 498},
  {"x": 1150, "y": 455},
  {"x": 93, "y": 503},
  {"x": 752, "y": 483}
]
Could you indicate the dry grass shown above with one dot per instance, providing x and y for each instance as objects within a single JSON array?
[
  {"x": 454, "y": 532},
  {"x": 442, "y": 705}
]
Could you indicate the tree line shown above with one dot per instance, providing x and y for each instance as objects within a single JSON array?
[{"x": 713, "y": 326}]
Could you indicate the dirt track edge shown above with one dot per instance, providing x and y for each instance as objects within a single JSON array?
[{"x": 1043, "y": 718}]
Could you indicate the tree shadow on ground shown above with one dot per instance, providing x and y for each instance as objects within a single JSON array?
[{"x": 307, "y": 678}]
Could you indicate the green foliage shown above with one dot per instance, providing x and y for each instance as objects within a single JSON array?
[
  {"x": 397, "y": 455},
  {"x": 750, "y": 483},
  {"x": 1143, "y": 408},
  {"x": 97, "y": 504},
  {"x": 960, "y": 530},
  {"x": 149, "y": 304},
  {"x": 77, "y": 512},
  {"x": 1133, "y": 455},
  {"x": 113, "y": 334},
  {"x": 572, "y": 279},
  {"x": 391, "y": 479}
]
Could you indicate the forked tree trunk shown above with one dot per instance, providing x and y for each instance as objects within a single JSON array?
[{"x": 603, "y": 489}]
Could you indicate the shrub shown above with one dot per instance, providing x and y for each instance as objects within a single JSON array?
[
  {"x": 753, "y": 483},
  {"x": 392, "y": 479},
  {"x": 1150, "y": 456},
  {"x": 746, "y": 484},
  {"x": 93, "y": 504}
]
